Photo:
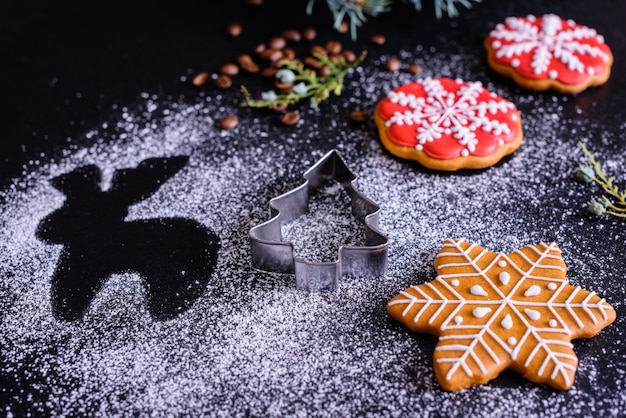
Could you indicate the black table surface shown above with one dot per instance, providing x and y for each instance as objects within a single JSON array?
[
  {"x": 70, "y": 67},
  {"x": 108, "y": 52}
]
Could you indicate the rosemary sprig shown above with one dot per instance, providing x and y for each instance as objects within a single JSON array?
[
  {"x": 307, "y": 83},
  {"x": 613, "y": 201}
]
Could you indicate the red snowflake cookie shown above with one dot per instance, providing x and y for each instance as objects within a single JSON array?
[
  {"x": 548, "y": 52},
  {"x": 447, "y": 124}
]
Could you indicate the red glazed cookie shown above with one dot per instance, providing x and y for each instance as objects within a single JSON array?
[
  {"x": 502, "y": 311},
  {"x": 547, "y": 52},
  {"x": 447, "y": 124}
]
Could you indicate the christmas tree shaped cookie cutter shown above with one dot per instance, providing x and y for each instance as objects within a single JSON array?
[{"x": 271, "y": 253}]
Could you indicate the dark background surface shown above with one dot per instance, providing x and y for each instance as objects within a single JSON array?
[
  {"x": 65, "y": 66},
  {"x": 66, "y": 63}
]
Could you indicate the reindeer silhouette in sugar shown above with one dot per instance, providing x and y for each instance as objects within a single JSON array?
[{"x": 174, "y": 256}]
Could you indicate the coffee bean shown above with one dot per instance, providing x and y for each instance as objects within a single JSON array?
[
  {"x": 324, "y": 71},
  {"x": 259, "y": 49},
  {"x": 337, "y": 59},
  {"x": 393, "y": 64},
  {"x": 246, "y": 63},
  {"x": 277, "y": 42},
  {"x": 279, "y": 107},
  {"x": 313, "y": 62},
  {"x": 277, "y": 64},
  {"x": 289, "y": 53},
  {"x": 268, "y": 72},
  {"x": 290, "y": 118},
  {"x": 200, "y": 79},
  {"x": 254, "y": 2},
  {"x": 349, "y": 56},
  {"x": 229, "y": 122},
  {"x": 319, "y": 50},
  {"x": 234, "y": 29},
  {"x": 271, "y": 54},
  {"x": 333, "y": 47},
  {"x": 309, "y": 34},
  {"x": 358, "y": 116},
  {"x": 250, "y": 67},
  {"x": 283, "y": 87},
  {"x": 343, "y": 27},
  {"x": 378, "y": 39},
  {"x": 244, "y": 58},
  {"x": 223, "y": 82},
  {"x": 229, "y": 69},
  {"x": 415, "y": 69},
  {"x": 292, "y": 35}
]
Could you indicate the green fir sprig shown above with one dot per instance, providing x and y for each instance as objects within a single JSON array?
[
  {"x": 355, "y": 12},
  {"x": 306, "y": 83},
  {"x": 613, "y": 201},
  {"x": 447, "y": 7}
]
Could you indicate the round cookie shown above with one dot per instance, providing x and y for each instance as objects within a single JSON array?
[
  {"x": 547, "y": 52},
  {"x": 447, "y": 124}
]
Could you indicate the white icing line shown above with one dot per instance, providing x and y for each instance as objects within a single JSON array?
[
  {"x": 520, "y": 344},
  {"x": 553, "y": 41},
  {"x": 603, "y": 306},
  {"x": 470, "y": 262},
  {"x": 453, "y": 113},
  {"x": 568, "y": 306},
  {"x": 585, "y": 304},
  {"x": 542, "y": 343},
  {"x": 479, "y": 362},
  {"x": 444, "y": 302},
  {"x": 500, "y": 342},
  {"x": 451, "y": 347},
  {"x": 521, "y": 308}
]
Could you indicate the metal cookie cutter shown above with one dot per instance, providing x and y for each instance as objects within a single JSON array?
[{"x": 271, "y": 253}]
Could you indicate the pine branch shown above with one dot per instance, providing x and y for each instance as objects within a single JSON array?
[
  {"x": 355, "y": 11},
  {"x": 447, "y": 7}
]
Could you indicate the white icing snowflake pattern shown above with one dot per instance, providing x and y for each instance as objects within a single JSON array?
[
  {"x": 553, "y": 39},
  {"x": 516, "y": 303},
  {"x": 442, "y": 112}
]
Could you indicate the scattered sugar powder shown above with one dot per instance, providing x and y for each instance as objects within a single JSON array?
[
  {"x": 252, "y": 345},
  {"x": 329, "y": 215}
]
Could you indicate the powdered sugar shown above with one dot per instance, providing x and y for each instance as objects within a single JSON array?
[{"x": 252, "y": 344}]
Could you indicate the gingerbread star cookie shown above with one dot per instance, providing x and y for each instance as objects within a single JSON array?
[
  {"x": 447, "y": 124},
  {"x": 548, "y": 52},
  {"x": 502, "y": 311}
]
